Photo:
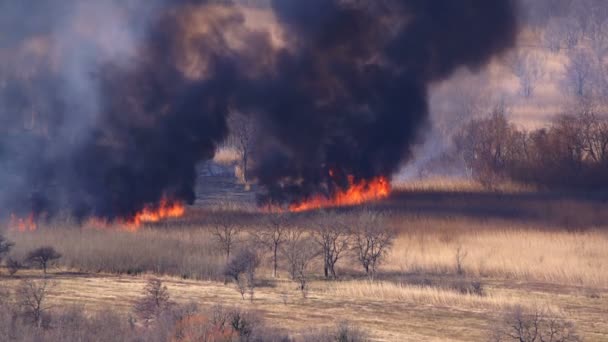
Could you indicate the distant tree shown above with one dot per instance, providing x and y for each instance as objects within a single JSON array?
[
  {"x": 154, "y": 301},
  {"x": 300, "y": 251},
  {"x": 271, "y": 235},
  {"x": 42, "y": 257},
  {"x": 562, "y": 33},
  {"x": 241, "y": 269},
  {"x": 243, "y": 132},
  {"x": 226, "y": 232},
  {"x": 580, "y": 73},
  {"x": 333, "y": 236},
  {"x": 31, "y": 298},
  {"x": 528, "y": 67},
  {"x": 372, "y": 240},
  {"x": 5, "y": 247}
]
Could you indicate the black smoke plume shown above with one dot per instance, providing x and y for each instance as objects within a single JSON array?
[{"x": 107, "y": 107}]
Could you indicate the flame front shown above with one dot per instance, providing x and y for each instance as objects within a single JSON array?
[
  {"x": 356, "y": 193},
  {"x": 23, "y": 224},
  {"x": 164, "y": 210}
]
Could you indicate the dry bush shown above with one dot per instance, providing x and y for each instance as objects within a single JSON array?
[
  {"x": 5, "y": 247},
  {"x": 13, "y": 266},
  {"x": 537, "y": 325},
  {"x": 31, "y": 297},
  {"x": 343, "y": 332},
  {"x": 154, "y": 302},
  {"x": 241, "y": 270}
]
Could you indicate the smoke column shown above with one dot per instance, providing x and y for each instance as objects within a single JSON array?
[{"x": 107, "y": 107}]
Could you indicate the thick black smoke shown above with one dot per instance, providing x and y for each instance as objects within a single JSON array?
[
  {"x": 105, "y": 118},
  {"x": 352, "y": 95}
]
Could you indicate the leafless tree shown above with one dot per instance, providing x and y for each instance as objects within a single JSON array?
[
  {"x": 537, "y": 325},
  {"x": 154, "y": 301},
  {"x": 528, "y": 67},
  {"x": 31, "y": 298},
  {"x": 43, "y": 256},
  {"x": 5, "y": 247},
  {"x": 580, "y": 73},
  {"x": 243, "y": 131},
  {"x": 459, "y": 256},
  {"x": 562, "y": 32},
  {"x": 372, "y": 240},
  {"x": 300, "y": 251},
  {"x": 226, "y": 232},
  {"x": 271, "y": 235},
  {"x": 333, "y": 236},
  {"x": 241, "y": 269}
]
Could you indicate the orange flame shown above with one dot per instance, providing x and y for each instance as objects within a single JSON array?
[
  {"x": 23, "y": 224},
  {"x": 166, "y": 209},
  {"x": 356, "y": 193}
]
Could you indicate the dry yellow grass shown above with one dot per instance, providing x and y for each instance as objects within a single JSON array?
[{"x": 507, "y": 252}]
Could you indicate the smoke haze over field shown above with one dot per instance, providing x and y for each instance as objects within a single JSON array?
[{"x": 107, "y": 107}]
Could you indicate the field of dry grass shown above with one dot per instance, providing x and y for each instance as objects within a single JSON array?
[{"x": 419, "y": 294}]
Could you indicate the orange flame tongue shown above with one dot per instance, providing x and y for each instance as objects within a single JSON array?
[
  {"x": 165, "y": 209},
  {"x": 23, "y": 224},
  {"x": 356, "y": 193}
]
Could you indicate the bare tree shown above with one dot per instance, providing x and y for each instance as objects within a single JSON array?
[
  {"x": 333, "y": 236},
  {"x": 528, "y": 67},
  {"x": 580, "y": 73},
  {"x": 562, "y": 32},
  {"x": 5, "y": 247},
  {"x": 154, "y": 301},
  {"x": 300, "y": 251},
  {"x": 226, "y": 232},
  {"x": 272, "y": 235},
  {"x": 31, "y": 298},
  {"x": 241, "y": 269},
  {"x": 42, "y": 257},
  {"x": 537, "y": 325},
  {"x": 372, "y": 240},
  {"x": 243, "y": 130}
]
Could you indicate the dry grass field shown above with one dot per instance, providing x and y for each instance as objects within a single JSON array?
[{"x": 523, "y": 249}]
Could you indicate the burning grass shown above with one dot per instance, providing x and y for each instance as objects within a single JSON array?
[{"x": 356, "y": 193}]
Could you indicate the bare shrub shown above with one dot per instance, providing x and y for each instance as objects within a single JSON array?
[
  {"x": 300, "y": 251},
  {"x": 13, "y": 266},
  {"x": 154, "y": 301},
  {"x": 344, "y": 332},
  {"x": 333, "y": 236},
  {"x": 31, "y": 298},
  {"x": 241, "y": 270},
  {"x": 224, "y": 324},
  {"x": 5, "y": 247},
  {"x": 43, "y": 257},
  {"x": 538, "y": 325},
  {"x": 372, "y": 240}
]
